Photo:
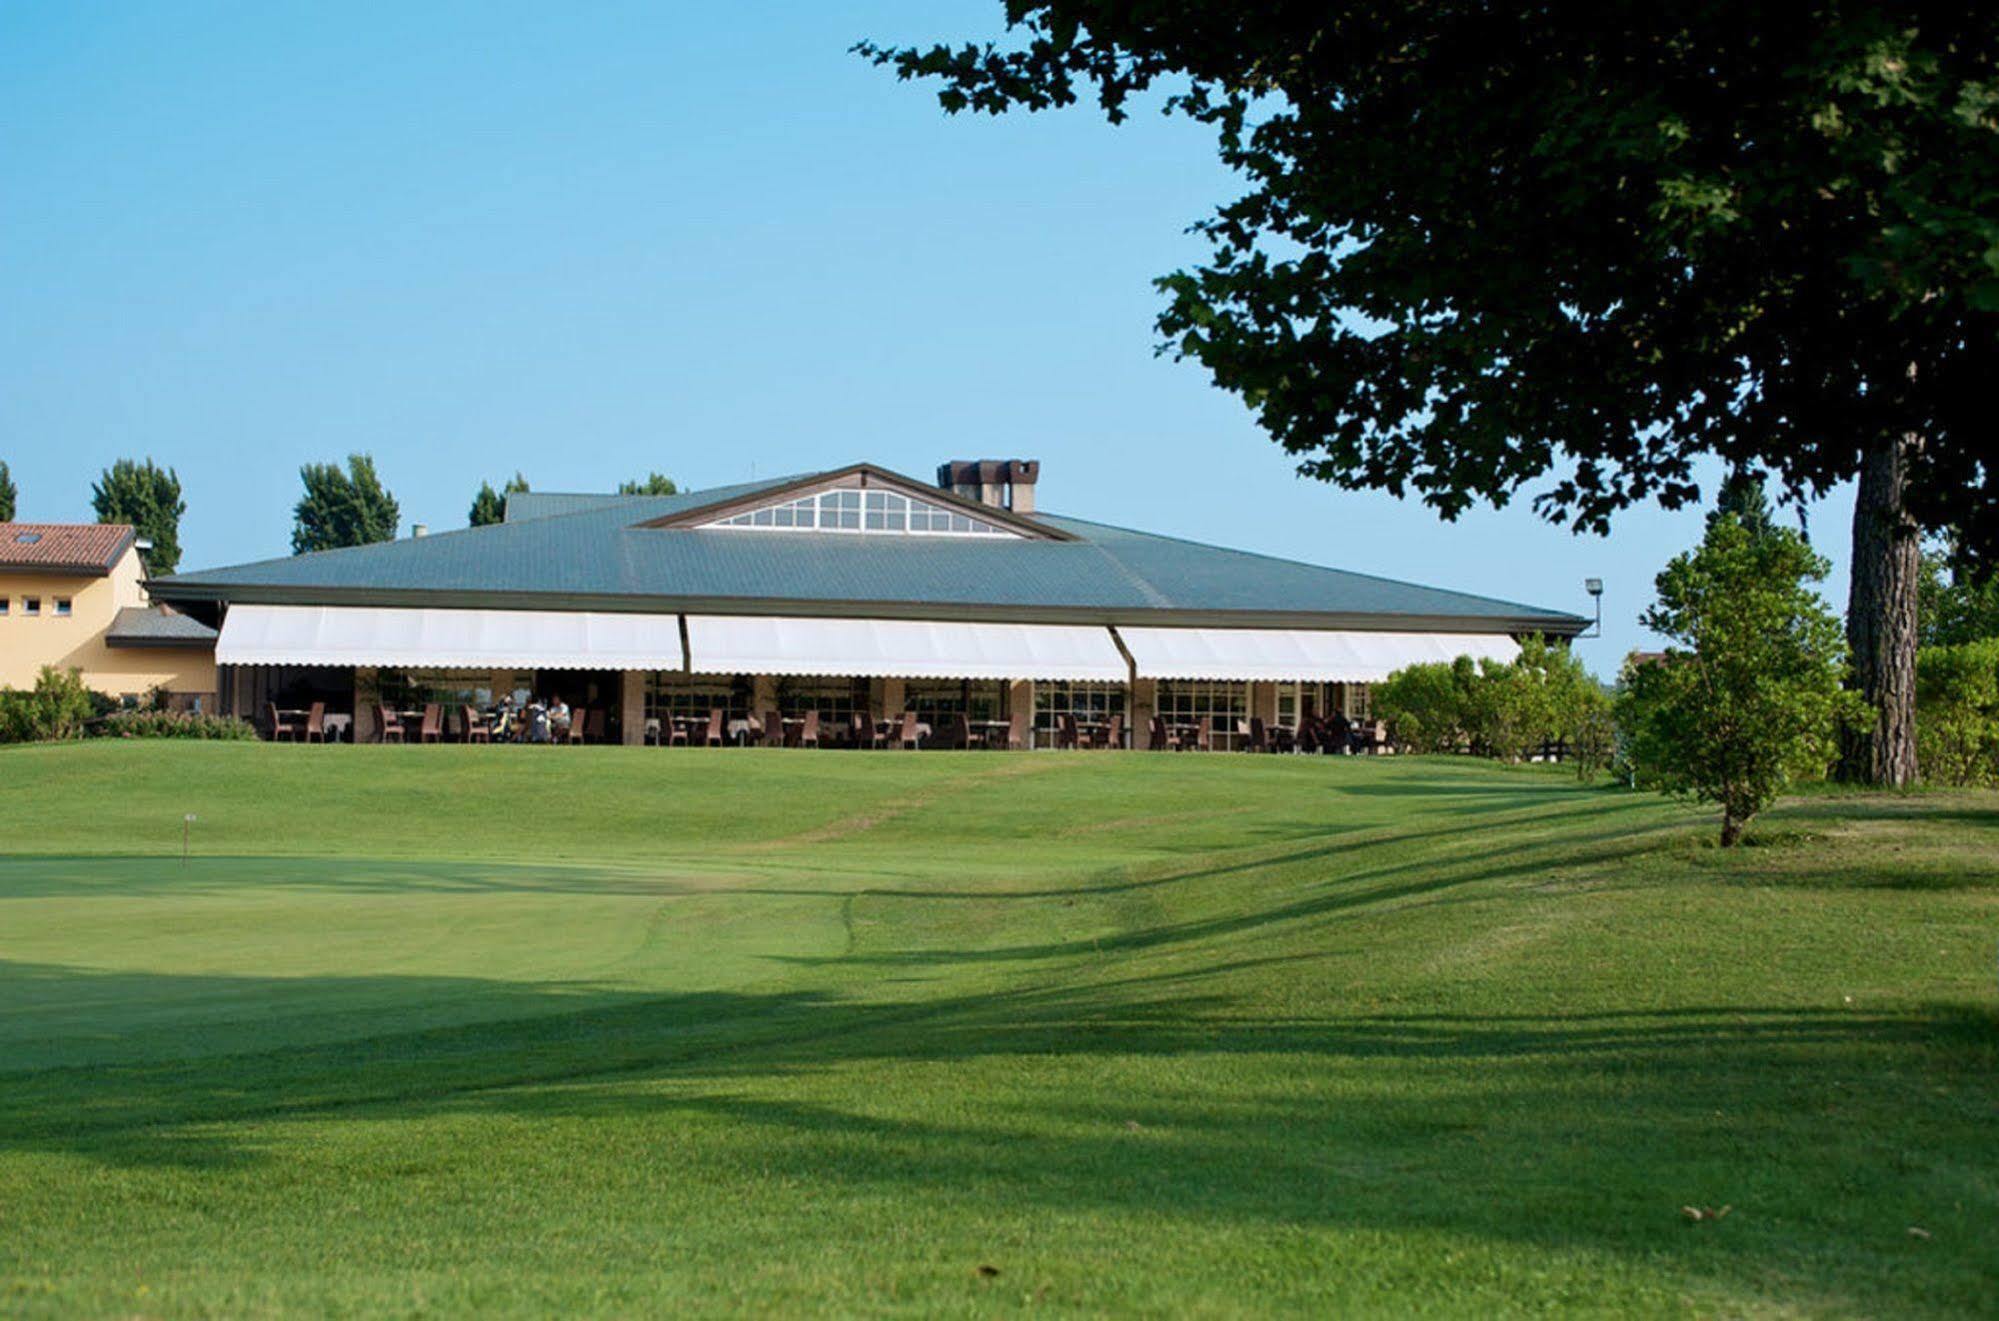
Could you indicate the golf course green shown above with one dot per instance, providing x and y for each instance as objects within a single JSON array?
[{"x": 522, "y": 1031}]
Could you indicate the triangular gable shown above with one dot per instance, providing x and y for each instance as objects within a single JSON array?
[{"x": 860, "y": 499}]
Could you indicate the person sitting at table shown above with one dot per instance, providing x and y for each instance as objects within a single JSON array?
[
  {"x": 504, "y": 717},
  {"x": 537, "y": 722},
  {"x": 558, "y": 717}
]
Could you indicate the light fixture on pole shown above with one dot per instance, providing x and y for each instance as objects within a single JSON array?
[{"x": 1594, "y": 586}]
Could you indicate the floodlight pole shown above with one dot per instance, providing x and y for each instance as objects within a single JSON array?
[{"x": 1594, "y": 586}]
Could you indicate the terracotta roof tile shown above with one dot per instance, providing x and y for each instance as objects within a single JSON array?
[{"x": 63, "y": 547}]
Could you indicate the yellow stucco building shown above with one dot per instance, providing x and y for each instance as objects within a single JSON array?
[{"x": 73, "y": 595}]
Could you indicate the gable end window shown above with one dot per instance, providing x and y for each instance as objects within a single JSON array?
[{"x": 850, "y": 509}]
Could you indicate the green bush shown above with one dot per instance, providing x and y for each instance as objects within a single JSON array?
[
  {"x": 1428, "y": 706},
  {"x": 174, "y": 724},
  {"x": 1957, "y": 713},
  {"x": 55, "y": 708},
  {"x": 1501, "y": 709}
]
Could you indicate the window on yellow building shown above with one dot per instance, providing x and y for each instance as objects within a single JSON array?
[
  {"x": 31, "y": 606},
  {"x": 3, "y": 605},
  {"x": 62, "y": 607}
]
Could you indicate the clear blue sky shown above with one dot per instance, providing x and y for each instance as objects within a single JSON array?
[{"x": 589, "y": 241}]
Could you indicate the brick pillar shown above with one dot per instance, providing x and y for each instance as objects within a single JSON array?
[
  {"x": 1263, "y": 702},
  {"x": 1020, "y": 697},
  {"x": 763, "y": 694},
  {"x": 1144, "y": 706},
  {"x": 367, "y": 691},
  {"x": 895, "y": 698},
  {"x": 632, "y": 708}
]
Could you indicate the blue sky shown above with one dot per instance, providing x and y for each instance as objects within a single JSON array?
[{"x": 586, "y": 242}]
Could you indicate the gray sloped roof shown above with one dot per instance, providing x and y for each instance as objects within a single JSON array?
[
  {"x": 143, "y": 626},
  {"x": 572, "y": 551}
]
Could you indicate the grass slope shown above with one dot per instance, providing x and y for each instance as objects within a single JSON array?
[{"x": 445, "y": 1030}]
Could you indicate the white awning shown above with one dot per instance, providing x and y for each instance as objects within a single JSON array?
[
  {"x": 901, "y": 648},
  {"x": 1303, "y": 655},
  {"x": 447, "y": 639}
]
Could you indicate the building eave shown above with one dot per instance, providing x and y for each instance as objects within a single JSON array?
[{"x": 1552, "y": 625}]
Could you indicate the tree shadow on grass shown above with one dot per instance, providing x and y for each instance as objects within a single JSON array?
[{"x": 1827, "y": 1130}]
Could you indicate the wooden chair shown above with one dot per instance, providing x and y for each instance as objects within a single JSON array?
[
  {"x": 475, "y": 727},
  {"x": 315, "y": 723},
  {"x": 908, "y": 737},
  {"x": 1065, "y": 732},
  {"x": 718, "y": 729},
  {"x": 1204, "y": 735},
  {"x": 1113, "y": 738},
  {"x": 773, "y": 730},
  {"x": 389, "y": 724},
  {"x": 1019, "y": 731},
  {"x": 432, "y": 730},
  {"x": 281, "y": 728},
  {"x": 579, "y": 726},
  {"x": 673, "y": 731},
  {"x": 808, "y": 733}
]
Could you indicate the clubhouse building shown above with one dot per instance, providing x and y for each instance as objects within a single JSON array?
[{"x": 857, "y": 594}]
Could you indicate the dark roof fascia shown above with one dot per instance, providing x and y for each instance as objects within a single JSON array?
[
  {"x": 66, "y": 570},
  {"x": 1021, "y": 523},
  {"x": 170, "y": 644},
  {"x": 1551, "y": 625}
]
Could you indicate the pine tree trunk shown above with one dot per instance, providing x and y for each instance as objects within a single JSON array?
[{"x": 1881, "y": 618}]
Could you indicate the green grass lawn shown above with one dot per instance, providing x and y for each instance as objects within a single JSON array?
[{"x": 509, "y": 1031}]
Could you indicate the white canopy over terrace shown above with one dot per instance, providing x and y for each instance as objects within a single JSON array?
[
  {"x": 1299, "y": 655},
  {"x": 901, "y": 648},
  {"x": 448, "y": 639}
]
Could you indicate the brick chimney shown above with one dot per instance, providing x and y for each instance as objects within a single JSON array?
[{"x": 1001, "y": 483}]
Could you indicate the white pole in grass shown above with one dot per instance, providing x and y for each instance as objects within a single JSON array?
[{"x": 186, "y": 824}]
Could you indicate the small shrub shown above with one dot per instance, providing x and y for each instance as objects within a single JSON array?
[
  {"x": 1957, "y": 713},
  {"x": 55, "y": 708},
  {"x": 174, "y": 724}
]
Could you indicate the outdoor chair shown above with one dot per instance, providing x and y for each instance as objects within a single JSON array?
[
  {"x": 433, "y": 724},
  {"x": 1204, "y": 736},
  {"x": 315, "y": 723},
  {"x": 579, "y": 726},
  {"x": 673, "y": 732},
  {"x": 773, "y": 736},
  {"x": 1065, "y": 732},
  {"x": 808, "y": 731},
  {"x": 954, "y": 731},
  {"x": 280, "y": 727},
  {"x": 715, "y": 736},
  {"x": 475, "y": 727},
  {"x": 1018, "y": 731},
  {"x": 390, "y": 724},
  {"x": 1113, "y": 737},
  {"x": 596, "y": 724},
  {"x": 907, "y": 736},
  {"x": 1158, "y": 737}
]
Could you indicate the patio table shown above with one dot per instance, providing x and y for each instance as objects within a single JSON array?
[{"x": 338, "y": 727}]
